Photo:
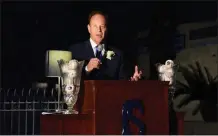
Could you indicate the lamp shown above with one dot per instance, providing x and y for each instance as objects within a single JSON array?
[{"x": 52, "y": 67}]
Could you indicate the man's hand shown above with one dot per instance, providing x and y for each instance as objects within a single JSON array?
[
  {"x": 137, "y": 74},
  {"x": 93, "y": 63}
]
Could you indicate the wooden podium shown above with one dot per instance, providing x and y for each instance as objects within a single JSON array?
[{"x": 100, "y": 104}]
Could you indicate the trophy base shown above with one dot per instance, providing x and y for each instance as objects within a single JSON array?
[{"x": 70, "y": 112}]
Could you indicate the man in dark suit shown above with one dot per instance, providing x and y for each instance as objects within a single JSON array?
[{"x": 101, "y": 61}]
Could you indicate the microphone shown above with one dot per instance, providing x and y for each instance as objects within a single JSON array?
[{"x": 100, "y": 47}]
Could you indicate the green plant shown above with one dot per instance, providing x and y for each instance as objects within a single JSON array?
[{"x": 200, "y": 87}]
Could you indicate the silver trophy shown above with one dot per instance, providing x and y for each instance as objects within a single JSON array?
[
  {"x": 71, "y": 73},
  {"x": 167, "y": 72}
]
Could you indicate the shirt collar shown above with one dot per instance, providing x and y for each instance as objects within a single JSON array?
[{"x": 94, "y": 45}]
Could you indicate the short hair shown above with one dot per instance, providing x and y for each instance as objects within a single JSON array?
[{"x": 95, "y": 13}]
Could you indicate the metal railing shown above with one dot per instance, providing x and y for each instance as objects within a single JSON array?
[{"x": 20, "y": 110}]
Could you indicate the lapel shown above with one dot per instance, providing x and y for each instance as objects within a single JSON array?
[
  {"x": 109, "y": 63},
  {"x": 88, "y": 50}
]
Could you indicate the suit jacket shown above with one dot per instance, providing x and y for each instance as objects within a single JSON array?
[{"x": 109, "y": 69}]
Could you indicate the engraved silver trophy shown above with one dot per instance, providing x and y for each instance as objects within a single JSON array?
[
  {"x": 71, "y": 73},
  {"x": 167, "y": 72}
]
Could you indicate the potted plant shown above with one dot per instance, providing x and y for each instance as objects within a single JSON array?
[{"x": 199, "y": 87}]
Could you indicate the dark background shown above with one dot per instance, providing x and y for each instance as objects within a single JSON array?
[{"x": 29, "y": 29}]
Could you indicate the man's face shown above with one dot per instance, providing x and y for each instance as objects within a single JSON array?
[{"x": 97, "y": 28}]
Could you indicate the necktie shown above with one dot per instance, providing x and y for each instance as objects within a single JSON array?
[{"x": 98, "y": 54}]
